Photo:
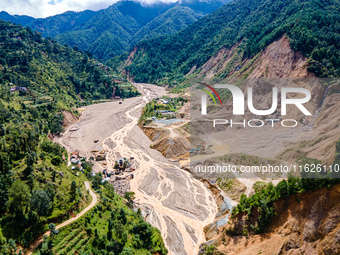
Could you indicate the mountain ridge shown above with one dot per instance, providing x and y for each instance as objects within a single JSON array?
[
  {"x": 310, "y": 27},
  {"x": 112, "y": 31}
]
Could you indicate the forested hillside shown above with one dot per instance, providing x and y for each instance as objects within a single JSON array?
[
  {"x": 113, "y": 30},
  {"x": 47, "y": 68},
  {"x": 39, "y": 79},
  {"x": 20, "y": 19},
  {"x": 311, "y": 26},
  {"x": 61, "y": 23},
  {"x": 170, "y": 22},
  {"x": 110, "y": 32}
]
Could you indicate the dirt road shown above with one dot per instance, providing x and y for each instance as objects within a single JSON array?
[
  {"x": 37, "y": 242},
  {"x": 171, "y": 200}
]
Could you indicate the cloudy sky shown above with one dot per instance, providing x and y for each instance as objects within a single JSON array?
[{"x": 45, "y": 8}]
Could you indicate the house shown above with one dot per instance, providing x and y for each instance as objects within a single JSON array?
[
  {"x": 165, "y": 112},
  {"x": 117, "y": 97},
  {"x": 165, "y": 101},
  {"x": 75, "y": 153},
  {"x": 106, "y": 179},
  {"x": 74, "y": 157},
  {"x": 18, "y": 88},
  {"x": 79, "y": 165}
]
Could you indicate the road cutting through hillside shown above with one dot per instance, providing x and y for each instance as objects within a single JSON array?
[
  {"x": 170, "y": 198},
  {"x": 94, "y": 201}
]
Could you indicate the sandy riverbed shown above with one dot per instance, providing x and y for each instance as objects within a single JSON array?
[{"x": 173, "y": 201}]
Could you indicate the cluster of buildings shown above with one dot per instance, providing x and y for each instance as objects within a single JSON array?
[
  {"x": 18, "y": 88},
  {"x": 165, "y": 112},
  {"x": 163, "y": 100},
  {"x": 75, "y": 159}
]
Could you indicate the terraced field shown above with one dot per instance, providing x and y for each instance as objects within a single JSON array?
[
  {"x": 73, "y": 242},
  {"x": 110, "y": 227}
]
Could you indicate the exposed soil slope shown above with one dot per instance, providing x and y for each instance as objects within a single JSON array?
[
  {"x": 311, "y": 226},
  {"x": 173, "y": 143},
  {"x": 315, "y": 135}
]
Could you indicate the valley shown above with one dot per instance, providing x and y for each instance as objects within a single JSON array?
[
  {"x": 179, "y": 205},
  {"x": 120, "y": 105}
]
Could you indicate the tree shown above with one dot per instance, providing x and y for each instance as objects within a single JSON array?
[
  {"x": 19, "y": 195},
  {"x": 30, "y": 181},
  {"x": 2, "y": 238},
  {"x": 53, "y": 230},
  {"x": 265, "y": 216},
  {"x": 40, "y": 202},
  {"x": 144, "y": 230},
  {"x": 109, "y": 190},
  {"x": 73, "y": 190},
  {"x": 32, "y": 217},
  {"x": 50, "y": 191},
  {"x": 130, "y": 196},
  {"x": 127, "y": 251},
  {"x": 283, "y": 189},
  {"x": 96, "y": 181},
  {"x": 109, "y": 235},
  {"x": 46, "y": 247},
  {"x": 4, "y": 185},
  {"x": 56, "y": 160},
  {"x": 30, "y": 158},
  {"x": 119, "y": 229},
  {"x": 122, "y": 216}
]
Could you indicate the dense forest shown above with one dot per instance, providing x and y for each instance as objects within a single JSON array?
[
  {"x": 131, "y": 22},
  {"x": 39, "y": 80},
  {"x": 110, "y": 32},
  {"x": 311, "y": 26},
  {"x": 47, "y": 68}
]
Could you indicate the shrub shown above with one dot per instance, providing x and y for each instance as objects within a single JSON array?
[{"x": 56, "y": 160}]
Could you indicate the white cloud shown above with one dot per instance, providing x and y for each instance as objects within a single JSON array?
[{"x": 45, "y": 8}]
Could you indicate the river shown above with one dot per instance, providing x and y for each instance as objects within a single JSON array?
[{"x": 171, "y": 199}]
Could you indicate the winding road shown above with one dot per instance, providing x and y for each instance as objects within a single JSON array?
[{"x": 37, "y": 242}]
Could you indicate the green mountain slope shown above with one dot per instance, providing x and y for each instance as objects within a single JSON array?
[
  {"x": 47, "y": 68},
  {"x": 170, "y": 22},
  {"x": 111, "y": 227},
  {"x": 20, "y": 19},
  {"x": 32, "y": 168},
  {"x": 61, "y": 23},
  {"x": 39, "y": 80},
  {"x": 311, "y": 26},
  {"x": 112, "y": 31},
  {"x": 115, "y": 29}
]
